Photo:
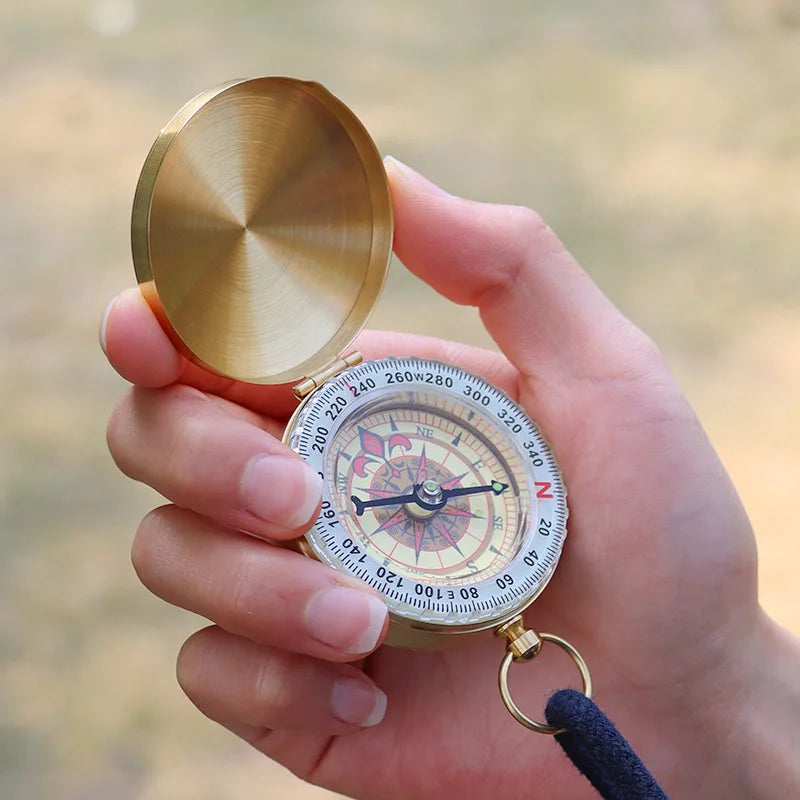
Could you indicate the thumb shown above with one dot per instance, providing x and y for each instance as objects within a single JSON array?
[{"x": 540, "y": 307}]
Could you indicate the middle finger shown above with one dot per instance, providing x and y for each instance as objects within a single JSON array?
[{"x": 256, "y": 590}]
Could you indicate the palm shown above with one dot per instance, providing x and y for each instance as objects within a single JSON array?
[{"x": 635, "y": 578}]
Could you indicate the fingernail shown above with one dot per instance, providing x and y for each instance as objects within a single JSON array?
[
  {"x": 355, "y": 702},
  {"x": 280, "y": 490},
  {"x": 104, "y": 323},
  {"x": 406, "y": 172},
  {"x": 350, "y": 620}
]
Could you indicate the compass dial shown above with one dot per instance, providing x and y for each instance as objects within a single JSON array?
[
  {"x": 438, "y": 490},
  {"x": 423, "y": 451}
]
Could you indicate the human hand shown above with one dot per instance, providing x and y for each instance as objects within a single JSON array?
[{"x": 656, "y": 587}]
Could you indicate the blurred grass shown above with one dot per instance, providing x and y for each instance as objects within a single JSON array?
[{"x": 660, "y": 139}]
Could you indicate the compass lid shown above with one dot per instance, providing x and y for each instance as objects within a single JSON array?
[{"x": 262, "y": 228}]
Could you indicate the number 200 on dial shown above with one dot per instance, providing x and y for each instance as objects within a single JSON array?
[{"x": 438, "y": 491}]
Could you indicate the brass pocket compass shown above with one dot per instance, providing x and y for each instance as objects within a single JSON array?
[{"x": 262, "y": 233}]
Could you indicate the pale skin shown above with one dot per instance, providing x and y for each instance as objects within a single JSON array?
[{"x": 656, "y": 586}]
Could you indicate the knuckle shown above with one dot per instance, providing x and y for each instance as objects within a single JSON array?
[
  {"x": 528, "y": 220},
  {"x": 530, "y": 238},
  {"x": 644, "y": 357},
  {"x": 190, "y": 663},
  {"x": 242, "y": 587},
  {"x": 118, "y": 433},
  {"x": 148, "y": 545},
  {"x": 183, "y": 393},
  {"x": 185, "y": 449},
  {"x": 273, "y": 685},
  {"x": 537, "y": 239},
  {"x": 189, "y": 414},
  {"x": 649, "y": 351}
]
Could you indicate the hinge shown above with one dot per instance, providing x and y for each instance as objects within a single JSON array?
[{"x": 316, "y": 379}]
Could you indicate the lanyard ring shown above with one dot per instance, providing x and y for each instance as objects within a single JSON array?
[{"x": 514, "y": 709}]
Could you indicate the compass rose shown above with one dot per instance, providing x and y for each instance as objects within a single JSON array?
[{"x": 432, "y": 512}]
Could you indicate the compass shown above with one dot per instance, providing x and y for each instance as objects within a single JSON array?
[
  {"x": 261, "y": 233},
  {"x": 438, "y": 491}
]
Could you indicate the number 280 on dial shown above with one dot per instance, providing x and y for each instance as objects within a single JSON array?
[{"x": 438, "y": 491}]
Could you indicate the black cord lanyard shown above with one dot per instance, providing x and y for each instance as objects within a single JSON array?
[
  {"x": 598, "y": 749},
  {"x": 585, "y": 733}
]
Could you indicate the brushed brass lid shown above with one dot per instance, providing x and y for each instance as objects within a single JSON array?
[{"x": 262, "y": 228}]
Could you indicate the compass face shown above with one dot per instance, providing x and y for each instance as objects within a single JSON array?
[{"x": 438, "y": 490}]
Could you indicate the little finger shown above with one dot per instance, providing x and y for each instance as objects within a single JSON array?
[{"x": 239, "y": 683}]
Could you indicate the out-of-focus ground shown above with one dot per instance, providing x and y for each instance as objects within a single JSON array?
[{"x": 660, "y": 139}]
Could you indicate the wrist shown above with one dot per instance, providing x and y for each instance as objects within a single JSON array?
[
  {"x": 770, "y": 722},
  {"x": 734, "y": 730},
  {"x": 746, "y": 744}
]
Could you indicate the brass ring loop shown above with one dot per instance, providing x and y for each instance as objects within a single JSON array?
[{"x": 514, "y": 709}]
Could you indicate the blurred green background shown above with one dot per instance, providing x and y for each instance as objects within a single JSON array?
[{"x": 660, "y": 139}]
